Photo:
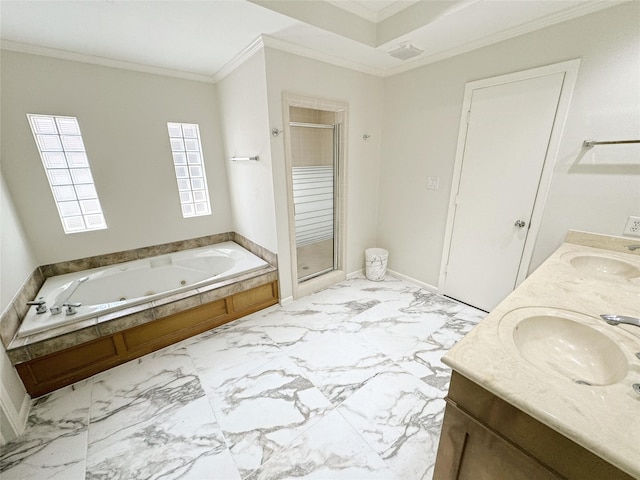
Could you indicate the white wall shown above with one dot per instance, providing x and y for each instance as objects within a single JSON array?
[
  {"x": 363, "y": 93},
  {"x": 595, "y": 192},
  {"x": 16, "y": 264},
  {"x": 123, "y": 116},
  {"x": 245, "y": 129}
]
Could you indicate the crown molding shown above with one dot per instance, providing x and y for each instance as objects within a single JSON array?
[
  {"x": 19, "y": 47},
  {"x": 553, "y": 19},
  {"x": 299, "y": 50},
  {"x": 244, "y": 55}
]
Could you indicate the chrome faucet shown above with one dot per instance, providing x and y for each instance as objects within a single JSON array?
[
  {"x": 618, "y": 319},
  {"x": 65, "y": 296},
  {"x": 71, "y": 308},
  {"x": 40, "y": 302},
  {"x": 633, "y": 248}
]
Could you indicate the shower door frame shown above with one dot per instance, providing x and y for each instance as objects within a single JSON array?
[
  {"x": 338, "y": 273},
  {"x": 335, "y": 128}
]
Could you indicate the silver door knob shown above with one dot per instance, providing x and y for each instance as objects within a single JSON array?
[{"x": 520, "y": 224}]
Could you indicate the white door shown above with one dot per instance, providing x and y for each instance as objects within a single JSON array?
[{"x": 508, "y": 132}]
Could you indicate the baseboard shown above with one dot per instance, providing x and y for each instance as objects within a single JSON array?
[
  {"x": 406, "y": 278},
  {"x": 16, "y": 420},
  {"x": 357, "y": 273},
  {"x": 286, "y": 301}
]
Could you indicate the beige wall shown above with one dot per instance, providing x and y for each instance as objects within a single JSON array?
[
  {"x": 287, "y": 73},
  {"x": 594, "y": 192},
  {"x": 123, "y": 116},
  {"x": 16, "y": 264},
  {"x": 245, "y": 127}
]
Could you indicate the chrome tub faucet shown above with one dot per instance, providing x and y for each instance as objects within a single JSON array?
[{"x": 41, "y": 305}]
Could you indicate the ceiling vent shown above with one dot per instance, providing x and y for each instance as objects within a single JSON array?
[{"x": 405, "y": 51}]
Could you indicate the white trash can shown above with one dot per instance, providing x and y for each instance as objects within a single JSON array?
[{"x": 376, "y": 263}]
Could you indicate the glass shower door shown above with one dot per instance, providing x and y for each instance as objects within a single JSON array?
[{"x": 314, "y": 152}]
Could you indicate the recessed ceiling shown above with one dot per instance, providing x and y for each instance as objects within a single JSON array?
[{"x": 202, "y": 38}]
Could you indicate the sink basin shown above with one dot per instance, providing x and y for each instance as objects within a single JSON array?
[
  {"x": 576, "y": 351},
  {"x": 603, "y": 266}
]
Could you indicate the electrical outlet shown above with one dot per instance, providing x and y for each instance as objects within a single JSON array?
[
  {"x": 433, "y": 183},
  {"x": 632, "y": 227}
]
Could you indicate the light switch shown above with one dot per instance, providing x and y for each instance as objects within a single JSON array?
[{"x": 433, "y": 183}]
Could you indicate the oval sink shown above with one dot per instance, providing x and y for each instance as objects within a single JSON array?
[
  {"x": 604, "y": 266},
  {"x": 576, "y": 351}
]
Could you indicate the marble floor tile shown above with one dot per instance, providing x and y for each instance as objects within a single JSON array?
[
  {"x": 55, "y": 441},
  {"x": 329, "y": 450},
  {"x": 358, "y": 288},
  {"x": 263, "y": 410},
  {"x": 346, "y": 383},
  {"x": 423, "y": 360},
  {"x": 394, "y": 331},
  {"x": 339, "y": 363},
  {"x": 150, "y": 418},
  {"x": 230, "y": 346},
  {"x": 400, "y": 417},
  {"x": 184, "y": 443}
]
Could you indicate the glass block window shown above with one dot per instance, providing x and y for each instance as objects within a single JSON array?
[
  {"x": 65, "y": 161},
  {"x": 189, "y": 167}
]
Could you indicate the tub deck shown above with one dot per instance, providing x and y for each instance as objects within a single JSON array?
[
  {"x": 53, "y": 359},
  {"x": 66, "y": 354}
]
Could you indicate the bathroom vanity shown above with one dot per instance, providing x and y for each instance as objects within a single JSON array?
[{"x": 543, "y": 387}]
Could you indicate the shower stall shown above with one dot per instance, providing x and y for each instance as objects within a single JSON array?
[{"x": 314, "y": 154}]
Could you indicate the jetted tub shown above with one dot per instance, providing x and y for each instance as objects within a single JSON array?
[{"x": 106, "y": 289}]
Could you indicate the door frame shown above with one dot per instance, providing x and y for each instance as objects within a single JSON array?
[
  {"x": 342, "y": 111},
  {"x": 570, "y": 70}
]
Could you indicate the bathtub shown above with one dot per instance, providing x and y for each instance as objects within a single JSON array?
[{"x": 115, "y": 287}]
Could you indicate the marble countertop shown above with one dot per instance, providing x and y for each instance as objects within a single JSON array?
[{"x": 604, "y": 419}]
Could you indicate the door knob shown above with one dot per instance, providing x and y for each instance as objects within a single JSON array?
[{"x": 520, "y": 223}]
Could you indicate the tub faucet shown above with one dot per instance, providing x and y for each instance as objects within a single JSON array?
[
  {"x": 65, "y": 296},
  {"x": 40, "y": 302},
  {"x": 618, "y": 319},
  {"x": 71, "y": 308},
  {"x": 633, "y": 248}
]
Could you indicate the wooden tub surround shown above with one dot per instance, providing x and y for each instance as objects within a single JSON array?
[
  {"x": 64, "y": 355},
  {"x": 49, "y": 372}
]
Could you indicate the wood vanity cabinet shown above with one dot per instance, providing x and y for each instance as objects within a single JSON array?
[{"x": 485, "y": 438}]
